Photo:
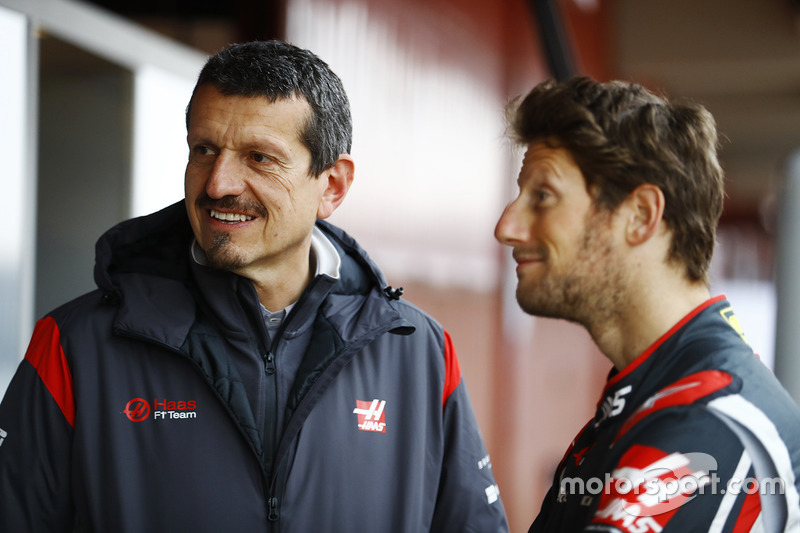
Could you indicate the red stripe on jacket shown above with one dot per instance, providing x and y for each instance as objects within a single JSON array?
[
  {"x": 452, "y": 370},
  {"x": 47, "y": 357},
  {"x": 751, "y": 509},
  {"x": 685, "y": 391}
]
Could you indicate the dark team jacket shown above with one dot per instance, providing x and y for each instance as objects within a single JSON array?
[
  {"x": 696, "y": 434},
  {"x": 128, "y": 414}
]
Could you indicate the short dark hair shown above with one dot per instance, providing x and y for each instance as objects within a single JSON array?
[
  {"x": 278, "y": 70},
  {"x": 621, "y": 135}
]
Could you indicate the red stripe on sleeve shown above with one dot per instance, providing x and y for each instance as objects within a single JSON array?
[
  {"x": 751, "y": 509},
  {"x": 452, "y": 370},
  {"x": 685, "y": 391},
  {"x": 47, "y": 357}
]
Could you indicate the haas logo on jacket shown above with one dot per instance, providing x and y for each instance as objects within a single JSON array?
[
  {"x": 649, "y": 485},
  {"x": 138, "y": 409},
  {"x": 371, "y": 416}
]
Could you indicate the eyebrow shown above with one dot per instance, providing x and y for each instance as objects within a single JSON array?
[
  {"x": 256, "y": 143},
  {"x": 269, "y": 146}
]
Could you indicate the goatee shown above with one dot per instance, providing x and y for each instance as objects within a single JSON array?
[{"x": 222, "y": 255}]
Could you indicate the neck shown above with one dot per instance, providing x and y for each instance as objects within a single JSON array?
[
  {"x": 280, "y": 285},
  {"x": 647, "y": 316},
  {"x": 278, "y": 295}
]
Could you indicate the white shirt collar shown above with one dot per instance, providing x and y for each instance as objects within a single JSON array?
[{"x": 327, "y": 258}]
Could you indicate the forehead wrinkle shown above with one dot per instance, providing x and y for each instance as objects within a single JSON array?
[
  {"x": 541, "y": 167},
  {"x": 546, "y": 163},
  {"x": 253, "y": 124}
]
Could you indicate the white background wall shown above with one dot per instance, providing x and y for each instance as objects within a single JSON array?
[{"x": 18, "y": 193}]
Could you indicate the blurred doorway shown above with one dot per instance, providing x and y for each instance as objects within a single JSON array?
[{"x": 84, "y": 162}]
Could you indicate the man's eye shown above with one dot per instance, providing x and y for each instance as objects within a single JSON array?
[
  {"x": 260, "y": 158},
  {"x": 203, "y": 150}
]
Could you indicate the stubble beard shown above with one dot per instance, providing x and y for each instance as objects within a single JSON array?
[{"x": 587, "y": 290}]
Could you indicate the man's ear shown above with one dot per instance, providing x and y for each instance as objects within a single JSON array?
[
  {"x": 645, "y": 211},
  {"x": 339, "y": 177}
]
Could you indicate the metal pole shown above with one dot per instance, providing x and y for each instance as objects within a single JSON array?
[
  {"x": 554, "y": 38},
  {"x": 787, "y": 337}
]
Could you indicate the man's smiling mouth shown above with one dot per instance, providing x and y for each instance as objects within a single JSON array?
[{"x": 229, "y": 217}]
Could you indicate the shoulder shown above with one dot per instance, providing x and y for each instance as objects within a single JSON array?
[
  {"x": 416, "y": 315},
  {"x": 734, "y": 400},
  {"x": 404, "y": 325},
  {"x": 689, "y": 427},
  {"x": 83, "y": 310}
]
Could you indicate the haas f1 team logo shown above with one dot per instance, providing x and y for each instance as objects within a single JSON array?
[
  {"x": 137, "y": 410},
  {"x": 371, "y": 416}
]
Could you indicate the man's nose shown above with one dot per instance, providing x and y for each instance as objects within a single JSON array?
[
  {"x": 513, "y": 227},
  {"x": 226, "y": 177}
]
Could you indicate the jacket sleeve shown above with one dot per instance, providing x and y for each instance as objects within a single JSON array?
[
  {"x": 468, "y": 499},
  {"x": 36, "y": 419},
  {"x": 681, "y": 470}
]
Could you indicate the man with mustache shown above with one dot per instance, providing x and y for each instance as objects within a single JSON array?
[
  {"x": 243, "y": 365},
  {"x": 620, "y": 192}
]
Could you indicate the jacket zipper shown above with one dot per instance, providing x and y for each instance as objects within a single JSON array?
[
  {"x": 272, "y": 503},
  {"x": 269, "y": 364},
  {"x": 271, "y": 406},
  {"x": 270, "y": 432}
]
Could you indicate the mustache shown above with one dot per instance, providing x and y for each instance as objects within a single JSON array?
[
  {"x": 520, "y": 254},
  {"x": 231, "y": 203}
]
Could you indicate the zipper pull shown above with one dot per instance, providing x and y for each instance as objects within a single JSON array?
[
  {"x": 273, "y": 509},
  {"x": 269, "y": 364}
]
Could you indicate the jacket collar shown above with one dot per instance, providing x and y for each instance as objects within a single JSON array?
[
  {"x": 666, "y": 360},
  {"x": 144, "y": 265}
]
